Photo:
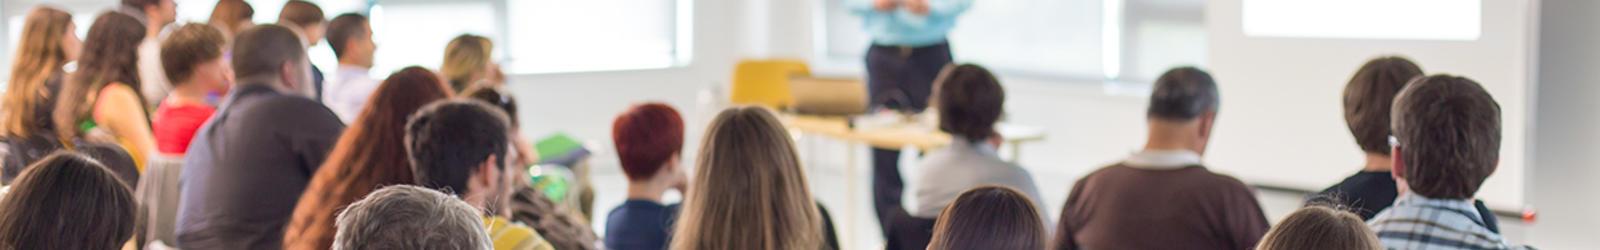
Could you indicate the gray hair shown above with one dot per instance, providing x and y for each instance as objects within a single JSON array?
[
  {"x": 410, "y": 217},
  {"x": 1183, "y": 94}
]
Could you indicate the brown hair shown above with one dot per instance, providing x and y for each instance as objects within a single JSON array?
[
  {"x": 39, "y": 58},
  {"x": 748, "y": 191},
  {"x": 970, "y": 101},
  {"x": 110, "y": 55},
  {"x": 989, "y": 217},
  {"x": 498, "y": 97},
  {"x": 1448, "y": 128},
  {"x": 301, "y": 13},
  {"x": 66, "y": 201},
  {"x": 343, "y": 28},
  {"x": 230, "y": 16},
  {"x": 187, "y": 47},
  {"x": 370, "y": 155},
  {"x": 1368, "y": 97},
  {"x": 1320, "y": 228},
  {"x": 140, "y": 4},
  {"x": 464, "y": 58},
  {"x": 262, "y": 50}
]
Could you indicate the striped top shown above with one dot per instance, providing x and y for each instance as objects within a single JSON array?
[
  {"x": 508, "y": 236},
  {"x": 1417, "y": 222}
]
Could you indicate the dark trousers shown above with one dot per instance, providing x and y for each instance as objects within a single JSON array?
[{"x": 900, "y": 78}]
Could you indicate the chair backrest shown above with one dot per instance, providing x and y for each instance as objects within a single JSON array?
[
  {"x": 114, "y": 158},
  {"x": 765, "y": 82},
  {"x": 157, "y": 194}
]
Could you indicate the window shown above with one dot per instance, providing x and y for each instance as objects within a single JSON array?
[
  {"x": 412, "y": 33},
  {"x": 1458, "y": 20}
]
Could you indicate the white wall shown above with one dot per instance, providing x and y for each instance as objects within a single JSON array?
[
  {"x": 1564, "y": 176},
  {"x": 1282, "y": 122}
]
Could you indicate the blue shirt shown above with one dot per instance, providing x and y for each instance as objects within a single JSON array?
[
  {"x": 1417, "y": 222},
  {"x": 640, "y": 224},
  {"x": 900, "y": 27}
]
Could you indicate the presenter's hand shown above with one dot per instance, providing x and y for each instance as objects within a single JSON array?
[
  {"x": 919, "y": 7},
  {"x": 885, "y": 5}
]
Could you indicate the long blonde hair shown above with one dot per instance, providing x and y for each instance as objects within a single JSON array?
[
  {"x": 40, "y": 55},
  {"x": 748, "y": 191},
  {"x": 465, "y": 58}
]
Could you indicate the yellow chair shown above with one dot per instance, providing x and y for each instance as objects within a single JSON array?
[{"x": 765, "y": 82}]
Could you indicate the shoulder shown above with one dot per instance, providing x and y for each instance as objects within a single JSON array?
[
  {"x": 506, "y": 235},
  {"x": 296, "y": 108},
  {"x": 1222, "y": 181}
]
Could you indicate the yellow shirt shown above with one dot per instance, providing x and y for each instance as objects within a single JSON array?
[{"x": 508, "y": 236}]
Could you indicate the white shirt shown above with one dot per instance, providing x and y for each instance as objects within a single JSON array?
[
  {"x": 347, "y": 91},
  {"x": 946, "y": 173},
  {"x": 152, "y": 77},
  {"x": 1163, "y": 159}
]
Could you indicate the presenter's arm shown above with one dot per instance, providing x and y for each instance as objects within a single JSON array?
[
  {"x": 868, "y": 7},
  {"x": 947, "y": 8}
]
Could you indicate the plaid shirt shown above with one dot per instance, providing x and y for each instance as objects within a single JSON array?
[{"x": 1417, "y": 222}]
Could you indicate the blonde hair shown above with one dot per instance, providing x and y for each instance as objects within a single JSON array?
[
  {"x": 39, "y": 57},
  {"x": 1319, "y": 227},
  {"x": 464, "y": 58},
  {"x": 748, "y": 191}
]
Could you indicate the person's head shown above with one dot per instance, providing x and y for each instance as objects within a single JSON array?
[
  {"x": 306, "y": 18},
  {"x": 1369, "y": 96},
  {"x": 48, "y": 41},
  {"x": 232, "y": 17},
  {"x": 271, "y": 54},
  {"x": 467, "y": 60},
  {"x": 1319, "y": 228},
  {"x": 350, "y": 36},
  {"x": 748, "y": 189},
  {"x": 192, "y": 58},
  {"x": 461, "y": 146},
  {"x": 369, "y": 154},
  {"x": 410, "y": 217},
  {"x": 649, "y": 140},
  {"x": 1183, "y": 108},
  {"x": 66, "y": 201},
  {"x": 1447, "y": 134},
  {"x": 497, "y": 96},
  {"x": 970, "y": 100},
  {"x": 991, "y": 217},
  {"x": 161, "y": 12},
  {"x": 110, "y": 55}
]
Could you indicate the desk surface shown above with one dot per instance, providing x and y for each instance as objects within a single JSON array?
[{"x": 899, "y": 134}]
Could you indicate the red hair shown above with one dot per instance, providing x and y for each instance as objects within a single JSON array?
[{"x": 647, "y": 136}]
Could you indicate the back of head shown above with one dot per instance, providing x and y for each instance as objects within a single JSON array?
[
  {"x": 464, "y": 58},
  {"x": 749, "y": 191},
  {"x": 647, "y": 136},
  {"x": 110, "y": 54},
  {"x": 66, "y": 201},
  {"x": 970, "y": 101},
  {"x": 343, "y": 28},
  {"x": 1183, "y": 94},
  {"x": 231, "y": 15},
  {"x": 1320, "y": 228},
  {"x": 39, "y": 56},
  {"x": 1448, "y": 129},
  {"x": 1369, "y": 96},
  {"x": 187, "y": 47},
  {"x": 989, "y": 217},
  {"x": 497, "y": 96},
  {"x": 408, "y": 217},
  {"x": 449, "y": 140},
  {"x": 139, "y": 4},
  {"x": 263, "y": 50},
  {"x": 301, "y": 14}
]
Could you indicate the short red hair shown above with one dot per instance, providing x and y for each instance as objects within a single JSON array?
[{"x": 647, "y": 136}]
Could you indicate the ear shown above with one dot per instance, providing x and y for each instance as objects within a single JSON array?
[
  {"x": 489, "y": 172},
  {"x": 1207, "y": 122},
  {"x": 287, "y": 74},
  {"x": 1399, "y": 163}
]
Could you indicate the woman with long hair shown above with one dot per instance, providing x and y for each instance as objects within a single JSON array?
[
  {"x": 468, "y": 61},
  {"x": 66, "y": 201},
  {"x": 49, "y": 40},
  {"x": 101, "y": 102},
  {"x": 369, "y": 155},
  {"x": 990, "y": 217},
  {"x": 748, "y": 189}
]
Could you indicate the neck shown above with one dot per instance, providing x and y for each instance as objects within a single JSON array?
[
  {"x": 1378, "y": 163},
  {"x": 649, "y": 190},
  {"x": 1169, "y": 137},
  {"x": 152, "y": 28},
  {"x": 270, "y": 81},
  {"x": 190, "y": 93},
  {"x": 348, "y": 62},
  {"x": 477, "y": 201}
]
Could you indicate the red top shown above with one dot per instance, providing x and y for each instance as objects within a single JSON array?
[{"x": 175, "y": 125}]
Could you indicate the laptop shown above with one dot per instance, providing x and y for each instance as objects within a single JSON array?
[{"x": 828, "y": 96}]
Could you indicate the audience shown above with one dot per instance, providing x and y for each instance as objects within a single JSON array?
[
  {"x": 248, "y": 165},
  {"x": 307, "y": 20},
  {"x": 1164, "y": 197},
  {"x": 155, "y": 15},
  {"x": 460, "y": 146},
  {"x": 649, "y": 142},
  {"x": 468, "y": 61},
  {"x": 749, "y": 190},
  {"x": 369, "y": 155},
  {"x": 556, "y": 222},
  {"x": 405, "y": 217},
  {"x": 66, "y": 201},
  {"x": 990, "y": 217},
  {"x": 1446, "y": 143},
  {"x": 100, "y": 102},
  {"x": 232, "y": 17},
  {"x": 192, "y": 57},
  {"x": 1367, "y": 99},
  {"x": 1320, "y": 228},
  {"x": 49, "y": 40},
  {"x": 350, "y": 36}
]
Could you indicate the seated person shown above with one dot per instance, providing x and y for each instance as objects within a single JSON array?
[
  {"x": 1164, "y": 197},
  {"x": 1320, "y": 228},
  {"x": 1366, "y": 110},
  {"x": 990, "y": 217},
  {"x": 346, "y": 93},
  {"x": 66, "y": 201},
  {"x": 192, "y": 57},
  {"x": 392, "y": 218},
  {"x": 461, "y": 147},
  {"x": 1446, "y": 143},
  {"x": 559, "y": 224},
  {"x": 649, "y": 140}
]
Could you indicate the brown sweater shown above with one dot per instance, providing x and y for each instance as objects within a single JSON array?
[{"x": 1122, "y": 207}]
